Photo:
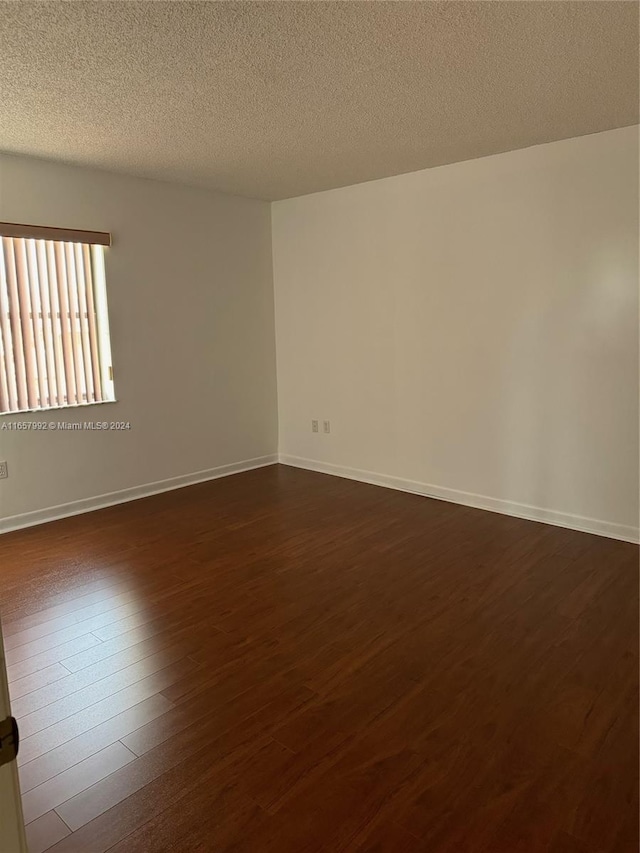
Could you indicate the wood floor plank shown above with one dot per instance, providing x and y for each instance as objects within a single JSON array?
[
  {"x": 81, "y": 776},
  {"x": 104, "y": 625},
  {"x": 74, "y": 624},
  {"x": 119, "y": 687},
  {"x": 49, "y": 643},
  {"x": 85, "y": 807},
  {"x": 346, "y": 668},
  {"x": 80, "y": 689},
  {"x": 226, "y": 751},
  {"x": 563, "y": 842},
  {"x": 216, "y": 737},
  {"x": 160, "y": 632},
  {"x": 387, "y": 838},
  {"x": 71, "y": 752},
  {"x": 92, "y": 602},
  {"x": 45, "y": 659},
  {"x": 277, "y": 772},
  {"x": 45, "y": 832},
  {"x": 36, "y": 681},
  {"x": 221, "y": 713},
  {"x": 215, "y": 828},
  {"x": 86, "y": 607},
  {"x": 60, "y": 732},
  {"x": 26, "y": 610},
  {"x": 179, "y": 604},
  {"x": 22, "y": 638}
]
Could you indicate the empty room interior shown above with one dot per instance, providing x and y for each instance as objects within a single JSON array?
[{"x": 319, "y": 435}]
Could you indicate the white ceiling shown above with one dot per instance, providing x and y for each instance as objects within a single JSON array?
[{"x": 277, "y": 99}]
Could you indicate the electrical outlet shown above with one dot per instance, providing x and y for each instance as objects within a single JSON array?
[
  {"x": 326, "y": 426},
  {"x": 4, "y": 472},
  {"x": 314, "y": 426}
]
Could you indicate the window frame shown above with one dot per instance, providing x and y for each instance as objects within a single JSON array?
[{"x": 85, "y": 280}]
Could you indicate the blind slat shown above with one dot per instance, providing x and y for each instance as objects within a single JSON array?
[
  {"x": 4, "y": 387},
  {"x": 7, "y": 338},
  {"x": 56, "y": 323},
  {"x": 26, "y": 317},
  {"x": 65, "y": 323},
  {"x": 47, "y": 328},
  {"x": 5, "y": 400},
  {"x": 84, "y": 320},
  {"x": 93, "y": 331},
  {"x": 44, "y": 396},
  {"x": 74, "y": 314},
  {"x": 16, "y": 326}
]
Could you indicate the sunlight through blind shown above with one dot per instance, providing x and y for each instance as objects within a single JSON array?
[{"x": 54, "y": 336}]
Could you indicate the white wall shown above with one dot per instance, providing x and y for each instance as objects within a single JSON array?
[
  {"x": 190, "y": 292},
  {"x": 473, "y": 329}
]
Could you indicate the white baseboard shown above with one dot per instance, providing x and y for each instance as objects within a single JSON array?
[
  {"x": 531, "y": 513},
  {"x": 40, "y": 516}
]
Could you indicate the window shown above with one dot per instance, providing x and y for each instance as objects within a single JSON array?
[{"x": 54, "y": 329}]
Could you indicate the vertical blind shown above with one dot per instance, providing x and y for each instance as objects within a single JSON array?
[{"x": 54, "y": 346}]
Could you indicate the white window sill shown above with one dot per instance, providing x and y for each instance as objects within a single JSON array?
[{"x": 64, "y": 407}]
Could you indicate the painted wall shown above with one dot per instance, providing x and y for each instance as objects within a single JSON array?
[
  {"x": 190, "y": 292},
  {"x": 471, "y": 330}
]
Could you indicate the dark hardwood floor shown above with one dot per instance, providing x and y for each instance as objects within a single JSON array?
[{"x": 283, "y": 661}]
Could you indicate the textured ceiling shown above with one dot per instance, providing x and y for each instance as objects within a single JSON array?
[{"x": 276, "y": 99}]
